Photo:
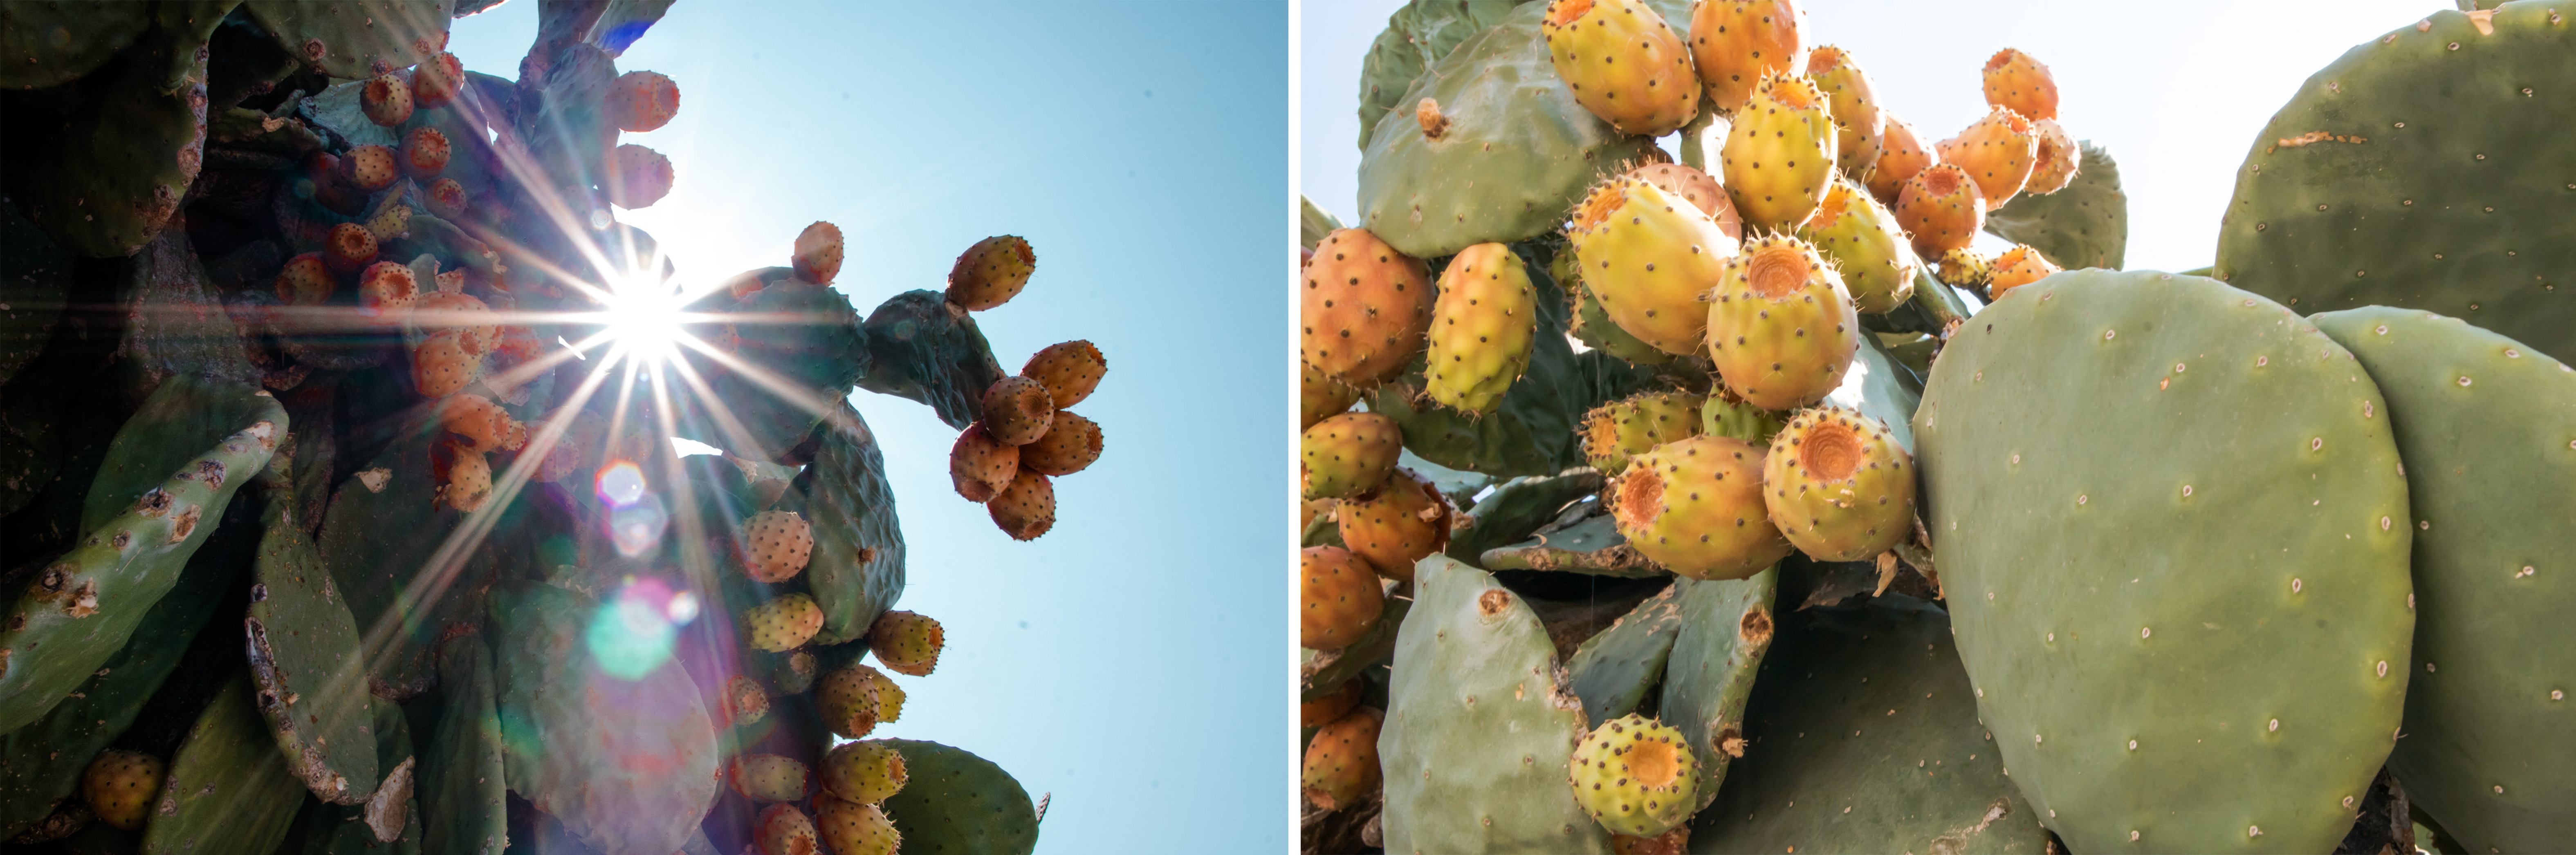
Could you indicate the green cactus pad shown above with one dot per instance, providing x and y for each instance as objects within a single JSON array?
[
  {"x": 1478, "y": 729},
  {"x": 105, "y": 168},
  {"x": 1881, "y": 388},
  {"x": 348, "y": 38},
  {"x": 382, "y": 531},
  {"x": 1862, "y": 736},
  {"x": 1417, "y": 37},
  {"x": 1725, "y": 630},
  {"x": 1612, "y": 672},
  {"x": 2125, "y": 565},
  {"x": 2085, "y": 224},
  {"x": 1588, "y": 543},
  {"x": 82, "y": 607},
  {"x": 2487, "y": 427},
  {"x": 954, "y": 801},
  {"x": 55, "y": 42},
  {"x": 176, "y": 324},
  {"x": 856, "y": 569},
  {"x": 2413, "y": 172},
  {"x": 462, "y": 786},
  {"x": 1314, "y": 223},
  {"x": 229, "y": 790},
  {"x": 388, "y": 819},
  {"x": 921, "y": 347},
  {"x": 1514, "y": 509},
  {"x": 304, "y": 656},
  {"x": 1513, "y": 124}
]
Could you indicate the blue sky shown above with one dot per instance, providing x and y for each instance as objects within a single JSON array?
[
  {"x": 2176, "y": 90},
  {"x": 1128, "y": 662}
]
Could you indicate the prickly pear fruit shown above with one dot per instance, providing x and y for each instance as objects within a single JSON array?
[
  {"x": 1616, "y": 431},
  {"x": 1341, "y": 764},
  {"x": 767, "y": 778},
  {"x": 1998, "y": 151},
  {"x": 441, "y": 366},
  {"x": 1405, "y": 520},
  {"x": 2016, "y": 267},
  {"x": 637, "y": 176},
  {"x": 1674, "y": 842},
  {"x": 446, "y": 199},
  {"x": 1070, "y": 445},
  {"x": 348, "y": 248},
  {"x": 1320, "y": 397},
  {"x": 778, "y": 543},
  {"x": 1026, "y": 509},
  {"x": 386, "y": 100},
  {"x": 1624, "y": 63},
  {"x": 863, "y": 772},
  {"x": 745, "y": 702},
  {"x": 851, "y": 828},
  {"x": 1696, "y": 187},
  {"x": 463, "y": 475},
  {"x": 389, "y": 221},
  {"x": 119, "y": 786},
  {"x": 889, "y": 695},
  {"x": 385, "y": 291},
  {"x": 906, "y": 642},
  {"x": 1339, "y": 599},
  {"x": 1635, "y": 776},
  {"x": 424, "y": 153},
  {"x": 991, "y": 272},
  {"x": 848, "y": 701},
  {"x": 437, "y": 311},
  {"x": 305, "y": 281},
  {"x": 483, "y": 425},
  {"x": 980, "y": 466},
  {"x": 1729, "y": 416},
  {"x": 1695, "y": 506},
  {"x": 1313, "y": 509},
  {"x": 1348, "y": 454},
  {"x": 1783, "y": 330},
  {"x": 1070, "y": 370},
  {"x": 818, "y": 251},
  {"x": 641, "y": 101},
  {"x": 1964, "y": 268},
  {"x": 1364, "y": 309},
  {"x": 1839, "y": 485},
  {"x": 1481, "y": 327},
  {"x": 1859, "y": 123},
  {"x": 1737, "y": 43},
  {"x": 784, "y": 830},
  {"x": 437, "y": 80},
  {"x": 1861, "y": 239},
  {"x": 1017, "y": 410},
  {"x": 1901, "y": 154},
  {"x": 2057, "y": 160},
  {"x": 1647, "y": 257},
  {"x": 371, "y": 167},
  {"x": 2017, "y": 82},
  {"x": 1941, "y": 209},
  {"x": 1323, "y": 710},
  {"x": 795, "y": 672},
  {"x": 1779, "y": 156},
  {"x": 782, "y": 624},
  {"x": 1591, "y": 324}
]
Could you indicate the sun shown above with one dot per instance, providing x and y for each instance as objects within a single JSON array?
[{"x": 642, "y": 315}]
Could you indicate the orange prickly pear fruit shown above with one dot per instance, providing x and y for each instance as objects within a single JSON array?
[
  {"x": 1735, "y": 44},
  {"x": 1999, "y": 151},
  {"x": 2016, "y": 267},
  {"x": 1365, "y": 309},
  {"x": 1941, "y": 209},
  {"x": 1339, "y": 598},
  {"x": 1624, "y": 63},
  {"x": 2058, "y": 160},
  {"x": 1901, "y": 154},
  {"x": 1857, "y": 118},
  {"x": 2014, "y": 80}
]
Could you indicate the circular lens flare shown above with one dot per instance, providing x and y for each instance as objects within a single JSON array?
[
  {"x": 633, "y": 632},
  {"x": 638, "y": 527},
  {"x": 620, "y": 483}
]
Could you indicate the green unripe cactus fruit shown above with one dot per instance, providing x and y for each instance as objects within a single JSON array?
[
  {"x": 1779, "y": 156},
  {"x": 1839, "y": 486},
  {"x": 1339, "y": 599},
  {"x": 1341, "y": 765},
  {"x": 782, "y": 624},
  {"x": 1695, "y": 506},
  {"x": 1364, "y": 308},
  {"x": 864, "y": 772},
  {"x": 1648, "y": 256},
  {"x": 1621, "y": 429},
  {"x": 1635, "y": 776},
  {"x": 1348, "y": 454},
  {"x": 851, "y": 828},
  {"x": 906, "y": 643},
  {"x": 1727, "y": 415},
  {"x": 119, "y": 787},
  {"x": 1624, "y": 63},
  {"x": 1405, "y": 520},
  {"x": 1877, "y": 263},
  {"x": 1481, "y": 328},
  {"x": 1782, "y": 330},
  {"x": 768, "y": 778}
]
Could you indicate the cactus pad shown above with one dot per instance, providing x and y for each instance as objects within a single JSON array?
[
  {"x": 958, "y": 802},
  {"x": 229, "y": 788},
  {"x": 1726, "y": 629},
  {"x": 1613, "y": 671},
  {"x": 2085, "y": 224},
  {"x": 304, "y": 656}
]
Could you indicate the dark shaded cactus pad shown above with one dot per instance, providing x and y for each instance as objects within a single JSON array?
[
  {"x": 102, "y": 162},
  {"x": 229, "y": 788},
  {"x": 2085, "y": 224},
  {"x": 351, "y": 38},
  {"x": 919, "y": 346},
  {"x": 462, "y": 787},
  {"x": 50, "y": 42},
  {"x": 304, "y": 656},
  {"x": 2168, "y": 514},
  {"x": 954, "y": 801},
  {"x": 856, "y": 569}
]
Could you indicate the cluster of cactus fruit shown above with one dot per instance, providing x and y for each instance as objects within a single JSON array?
[
  {"x": 1608, "y": 528},
  {"x": 377, "y": 315}
]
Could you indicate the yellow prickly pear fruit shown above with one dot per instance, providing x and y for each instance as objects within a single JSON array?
[
  {"x": 1624, "y": 63},
  {"x": 1859, "y": 123},
  {"x": 1696, "y": 187},
  {"x": 1839, "y": 486},
  {"x": 991, "y": 272},
  {"x": 1405, "y": 520},
  {"x": 768, "y": 778},
  {"x": 441, "y": 364},
  {"x": 2016, "y": 267},
  {"x": 784, "y": 830},
  {"x": 1901, "y": 154},
  {"x": 864, "y": 772},
  {"x": 463, "y": 476},
  {"x": 782, "y": 624},
  {"x": 1999, "y": 151},
  {"x": 1866, "y": 247},
  {"x": 119, "y": 786},
  {"x": 1364, "y": 308},
  {"x": 1348, "y": 454},
  {"x": 1779, "y": 156},
  {"x": 1964, "y": 268},
  {"x": 1782, "y": 330},
  {"x": 2058, "y": 160},
  {"x": 2014, "y": 80},
  {"x": 1647, "y": 256},
  {"x": 1941, "y": 209},
  {"x": 906, "y": 642},
  {"x": 1481, "y": 328},
  {"x": 1695, "y": 507},
  {"x": 847, "y": 698},
  {"x": 1735, "y": 44},
  {"x": 1339, "y": 599},
  {"x": 483, "y": 425},
  {"x": 889, "y": 695},
  {"x": 776, "y": 546},
  {"x": 1635, "y": 775},
  {"x": 851, "y": 828},
  {"x": 1621, "y": 429},
  {"x": 1319, "y": 396},
  {"x": 1341, "y": 764}
]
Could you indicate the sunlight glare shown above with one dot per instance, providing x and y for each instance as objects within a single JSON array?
[{"x": 644, "y": 315}]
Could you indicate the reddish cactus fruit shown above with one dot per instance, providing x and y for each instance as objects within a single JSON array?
[
  {"x": 991, "y": 272},
  {"x": 1941, "y": 209},
  {"x": 2015, "y": 80},
  {"x": 1341, "y": 765},
  {"x": 981, "y": 466},
  {"x": 851, "y": 828},
  {"x": 1070, "y": 371},
  {"x": 119, "y": 786},
  {"x": 1026, "y": 509},
  {"x": 305, "y": 281},
  {"x": 424, "y": 153},
  {"x": 386, "y": 290},
  {"x": 441, "y": 366},
  {"x": 641, "y": 101},
  {"x": 1364, "y": 309},
  {"x": 481, "y": 424},
  {"x": 1339, "y": 599},
  {"x": 908, "y": 643},
  {"x": 638, "y": 177},
  {"x": 1017, "y": 410},
  {"x": 349, "y": 248},
  {"x": 371, "y": 167},
  {"x": 1901, "y": 154},
  {"x": 1323, "y": 710},
  {"x": 437, "y": 80},
  {"x": 1404, "y": 521},
  {"x": 1070, "y": 445},
  {"x": 784, "y": 830},
  {"x": 331, "y": 188},
  {"x": 769, "y": 778},
  {"x": 385, "y": 100},
  {"x": 446, "y": 199},
  {"x": 777, "y": 545},
  {"x": 818, "y": 253},
  {"x": 847, "y": 698},
  {"x": 745, "y": 702}
]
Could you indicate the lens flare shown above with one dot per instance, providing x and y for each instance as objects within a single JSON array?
[
  {"x": 620, "y": 483},
  {"x": 634, "y": 631},
  {"x": 636, "y": 528}
]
